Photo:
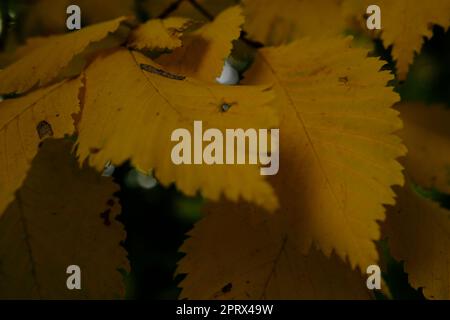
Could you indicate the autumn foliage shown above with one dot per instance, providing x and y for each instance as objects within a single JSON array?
[{"x": 353, "y": 156}]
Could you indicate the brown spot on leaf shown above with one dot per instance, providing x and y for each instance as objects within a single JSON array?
[
  {"x": 227, "y": 288},
  {"x": 161, "y": 72},
  {"x": 44, "y": 130},
  {"x": 343, "y": 79},
  {"x": 225, "y": 106}
]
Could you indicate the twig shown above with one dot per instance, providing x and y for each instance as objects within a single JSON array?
[
  {"x": 202, "y": 10},
  {"x": 170, "y": 9}
]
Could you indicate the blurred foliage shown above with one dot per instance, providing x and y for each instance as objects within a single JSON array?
[
  {"x": 428, "y": 79},
  {"x": 157, "y": 219},
  {"x": 428, "y": 82}
]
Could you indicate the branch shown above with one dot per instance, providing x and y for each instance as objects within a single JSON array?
[
  {"x": 170, "y": 9},
  {"x": 202, "y": 10}
]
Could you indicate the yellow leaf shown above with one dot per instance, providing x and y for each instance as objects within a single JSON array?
[
  {"x": 78, "y": 62},
  {"x": 404, "y": 24},
  {"x": 133, "y": 114},
  {"x": 203, "y": 53},
  {"x": 45, "y": 17},
  {"x": 62, "y": 216},
  {"x": 337, "y": 147},
  {"x": 417, "y": 228},
  {"x": 17, "y": 52},
  {"x": 24, "y": 123},
  {"x": 282, "y": 21},
  {"x": 42, "y": 65},
  {"x": 427, "y": 137},
  {"x": 236, "y": 252},
  {"x": 159, "y": 34},
  {"x": 419, "y": 234}
]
